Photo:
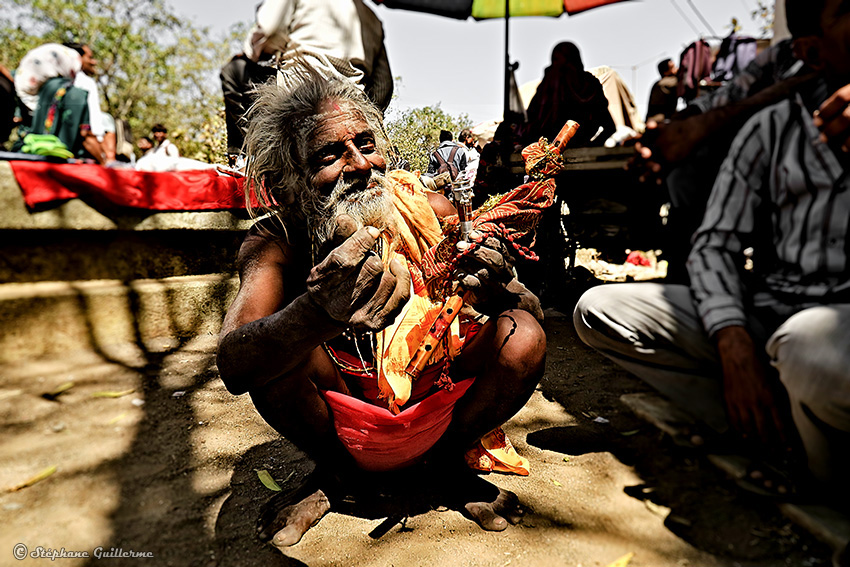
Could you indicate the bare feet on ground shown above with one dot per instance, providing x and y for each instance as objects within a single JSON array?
[
  {"x": 282, "y": 524},
  {"x": 495, "y": 516},
  {"x": 496, "y": 508}
]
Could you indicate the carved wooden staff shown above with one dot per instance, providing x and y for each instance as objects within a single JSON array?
[{"x": 453, "y": 305}]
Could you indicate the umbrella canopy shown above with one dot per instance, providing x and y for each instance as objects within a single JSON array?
[{"x": 486, "y": 9}]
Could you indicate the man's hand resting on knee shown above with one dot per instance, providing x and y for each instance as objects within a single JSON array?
[
  {"x": 486, "y": 272},
  {"x": 753, "y": 406},
  {"x": 352, "y": 285}
]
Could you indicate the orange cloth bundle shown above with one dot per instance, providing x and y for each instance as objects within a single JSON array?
[{"x": 419, "y": 230}]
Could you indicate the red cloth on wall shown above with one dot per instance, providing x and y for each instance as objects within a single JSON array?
[{"x": 197, "y": 190}]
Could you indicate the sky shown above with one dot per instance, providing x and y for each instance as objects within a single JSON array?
[{"x": 459, "y": 64}]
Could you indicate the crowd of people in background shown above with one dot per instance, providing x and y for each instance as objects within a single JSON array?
[{"x": 51, "y": 105}]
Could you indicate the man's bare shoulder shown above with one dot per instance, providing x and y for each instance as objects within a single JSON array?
[
  {"x": 266, "y": 244},
  {"x": 442, "y": 206}
]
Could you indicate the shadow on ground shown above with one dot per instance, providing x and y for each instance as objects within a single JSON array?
[{"x": 699, "y": 504}]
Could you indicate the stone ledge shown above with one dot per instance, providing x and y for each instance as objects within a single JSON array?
[
  {"x": 44, "y": 255},
  {"x": 829, "y": 525},
  {"x": 77, "y": 215},
  {"x": 43, "y": 318}
]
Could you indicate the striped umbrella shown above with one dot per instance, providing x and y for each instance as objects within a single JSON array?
[{"x": 487, "y": 9}]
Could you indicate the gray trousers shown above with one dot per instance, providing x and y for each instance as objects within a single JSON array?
[{"x": 653, "y": 331}]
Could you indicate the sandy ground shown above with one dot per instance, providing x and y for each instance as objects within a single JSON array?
[{"x": 168, "y": 468}]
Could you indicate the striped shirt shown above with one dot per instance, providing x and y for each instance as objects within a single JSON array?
[{"x": 785, "y": 193}]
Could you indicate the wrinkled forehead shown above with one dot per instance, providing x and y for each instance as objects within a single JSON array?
[{"x": 336, "y": 118}]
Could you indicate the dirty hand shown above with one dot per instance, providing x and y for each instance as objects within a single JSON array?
[
  {"x": 352, "y": 285},
  {"x": 486, "y": 269},
  {"x": 833, "y": 118},
  {"x": 754, "y": 408}
]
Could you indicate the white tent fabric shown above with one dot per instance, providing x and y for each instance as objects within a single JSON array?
[{"x": 621, "y": 103}]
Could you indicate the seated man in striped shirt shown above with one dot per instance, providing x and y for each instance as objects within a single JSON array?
[{"x": 766, "y": 350}]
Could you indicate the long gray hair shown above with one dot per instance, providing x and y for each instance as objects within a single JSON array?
[{"x": 281, "y": 124}]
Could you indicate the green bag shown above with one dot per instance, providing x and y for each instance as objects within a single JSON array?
[{"x": 45, "y": 145}]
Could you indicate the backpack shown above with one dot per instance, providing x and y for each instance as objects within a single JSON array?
[{"x": 449, "y": 165}]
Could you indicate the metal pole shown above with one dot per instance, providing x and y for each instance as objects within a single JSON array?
[{"x": 507, "y": 60}]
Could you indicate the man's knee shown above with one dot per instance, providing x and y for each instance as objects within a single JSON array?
[
  {"x": 592, "y": 310},
  {"x": 316, "y": 372},
  {"x": 520, "y": 340},
  {"x": 810, "y": 342},
  {"x": 810, "y": 350}
]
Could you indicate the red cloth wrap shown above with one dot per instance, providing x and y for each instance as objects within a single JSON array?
[
  {"x": 379, "y": 440},
  {"x": 196, "y": 190}
]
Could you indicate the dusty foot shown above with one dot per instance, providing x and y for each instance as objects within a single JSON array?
[
  {"x": 282, "y": 523},
  {"x": 494, "y": 516},
  {"x": 486, "y": 504}
]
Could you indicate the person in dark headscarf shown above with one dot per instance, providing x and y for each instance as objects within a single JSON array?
[{"x": 568, "y": 92}]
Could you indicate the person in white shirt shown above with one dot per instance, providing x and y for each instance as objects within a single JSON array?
[
  {"x": 472, "y": 155},
  {"x": 335, "y": 38},
  {"x": 163, "y": 146},
  {"x": 163, "y": 156},
  {"x": 85, "y": 80}
]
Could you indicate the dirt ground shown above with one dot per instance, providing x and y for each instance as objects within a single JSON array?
[{"x": 153, "y": 456}]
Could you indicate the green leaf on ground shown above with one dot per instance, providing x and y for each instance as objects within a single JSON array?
[
  {"x": 55, "y": 393},
  {"x": 113, "y": 394},
  {"x": 623, "y": 561},
  {"x": 10, "y": 393},
  {"x": 268, "y": 481},
  {"x": 117, "y": 418},
  {"x": 37, "y": 478}
]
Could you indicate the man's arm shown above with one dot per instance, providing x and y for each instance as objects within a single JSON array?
[
  {"x": 93, "y": 146},
  {"x": 751, "y": 404},
  {"x": 268, "y": 330},
  {"x": 272, "y": 17},
  {"x": 171, "y": 150},
  {"x": 769, "y": 67},
  {"x": 669, "y": 143},
  {"x": 89, "y": 85},
  {"x": 262, "y": 337},
  {"x": 715, "y": 266}
]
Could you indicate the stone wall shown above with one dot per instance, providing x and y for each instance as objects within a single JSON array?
[{"x": 75, "y": 277}]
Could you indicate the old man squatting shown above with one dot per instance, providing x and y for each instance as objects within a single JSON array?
[{"x": 313, "y": 291}]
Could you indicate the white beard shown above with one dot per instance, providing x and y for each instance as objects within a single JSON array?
[{"x": 370, "y": 205}]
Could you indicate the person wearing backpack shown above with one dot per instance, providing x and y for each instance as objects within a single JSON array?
[{"x": 449, "y": 157}]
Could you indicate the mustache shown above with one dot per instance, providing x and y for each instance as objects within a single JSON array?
[
  {"x": 350, "y": 189},
  {"x": 365, "y": 200}
]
